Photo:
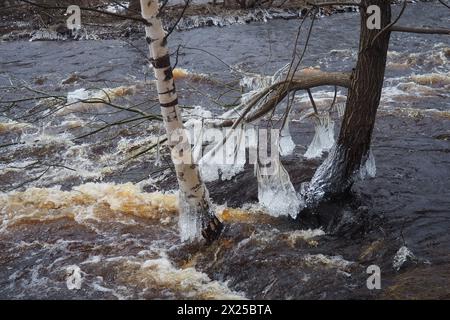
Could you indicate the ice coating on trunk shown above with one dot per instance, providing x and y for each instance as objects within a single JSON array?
[
  {"x": 323, "y": 139},
  {"x": 368, "y": 169},
  {"x": 276, "y": 192},
  {"x": 189, "y": 221}
]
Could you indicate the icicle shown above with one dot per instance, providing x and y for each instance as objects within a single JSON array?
[
  {"x": 340, "y": 107},
  {"x": 254, "y": 81},
  {"x": 323, "y": 139},
  {"x": 369, "y": 168},
  {"x": 287, "y": 145},
  {"x": 276, "y": 192}
]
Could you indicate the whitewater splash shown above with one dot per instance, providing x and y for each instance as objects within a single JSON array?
[{"x": 99, "y": 207}]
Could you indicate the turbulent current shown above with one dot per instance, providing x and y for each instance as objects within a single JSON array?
[{"x": 87, "y": 210}]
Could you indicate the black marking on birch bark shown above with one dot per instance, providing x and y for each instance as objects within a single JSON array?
[
  {"x": 197, "y": 187},
  {"x": 170, "y": 104},
  {"x": 169, "y": 91},
  {"x": 149, "y": 40},
  {"x": 161, "y": 62},
  {"x": 164, "y": 42},
  {"x": 168, "y": 75}
]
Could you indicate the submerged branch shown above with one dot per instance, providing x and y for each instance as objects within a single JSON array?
[{"x": 420, "y": 30}]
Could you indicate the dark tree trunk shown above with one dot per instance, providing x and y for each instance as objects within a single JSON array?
[{"x": 338, "y": 172}]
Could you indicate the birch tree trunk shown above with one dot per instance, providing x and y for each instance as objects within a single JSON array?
[
  {"x": 341, "y": 168},
  {"x": 196, "y": 214}
]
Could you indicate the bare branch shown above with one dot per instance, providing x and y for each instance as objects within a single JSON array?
[
  {"x": 420, "y": 30},
  {"x": 386, "y": 28},
  {"x": 444, "y": 4}
]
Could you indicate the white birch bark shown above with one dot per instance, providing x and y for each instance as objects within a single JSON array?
[{"x": 196, "y": 215}]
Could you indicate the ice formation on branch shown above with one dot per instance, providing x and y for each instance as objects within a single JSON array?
[
  {"x": 287, "y": 145},
  {"x": 340, "y": 107},
  {"x": 276, "y": 193},
  {"x": 323, "y": 139},
  {"x": 256, "y": 82}
]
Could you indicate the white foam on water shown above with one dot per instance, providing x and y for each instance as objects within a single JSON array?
[
  {"x": 90, "y": 201},
  {"x": 74, "y": 278},
  {"x": 13, "y": 126},
  {"x": 337, "y": 262},
  {"x": 84, "y": 99}
]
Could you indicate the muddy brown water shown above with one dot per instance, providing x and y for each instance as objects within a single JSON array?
[{"x": 77, "y": 223}]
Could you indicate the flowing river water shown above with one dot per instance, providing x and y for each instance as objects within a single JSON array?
[{"x": 80, "y": 219}]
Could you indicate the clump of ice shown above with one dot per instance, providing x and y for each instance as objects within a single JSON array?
[
  {"x": 43, "y": 137},
  {"x": 276, "y": 192},
  {"x": 257, "y": 82},
  {"x": 340, "y": 107},
  {"x": 117, "y": 7},
  {"x": 403, "y": 254},
  {"x": 323, "y": 139},
  {"x": 368, "y": 169},
  {"x": 254, "y": 81},
  {"x": 74, "y": 279},
  {"x": 287, "y": 145}
]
